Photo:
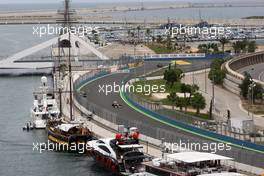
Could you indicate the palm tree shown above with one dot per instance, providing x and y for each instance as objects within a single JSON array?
[
  {"x": 223, "y": 42},
  {"x": 198, "y": 102},
  {"x": 236, "y": 47},
  {"x": 138, "y": 30},
  {"x": 172, "y": 98},
  {"x": 129, "y": 33},
  {"x": 178, "y": 101},
  {"x": 159, "y": 39},
  {"x": 252, "y": 46},
  {"x": 148, "y": 33}
]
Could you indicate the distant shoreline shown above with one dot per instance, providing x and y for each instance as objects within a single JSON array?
[
  {"x": 254, "y": 17},
  {"x": 124, "y": 6}
]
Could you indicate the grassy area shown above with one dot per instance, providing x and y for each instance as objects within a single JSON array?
[
  {"x": 183, "y": 116},
  {"x": 201, "y": 115},
  {"x": 175, "y": 88},
  {"x": 160, "y": 48}
]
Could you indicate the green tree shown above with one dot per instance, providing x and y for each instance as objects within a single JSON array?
[
  {"x": 173, "y": 75},
  {"x": 216, "y": 63},
  {"x": 214, "y": 47},
  {"x": 177, "y": 101},
  {"x": 203, "y": 48},
  {"x": 186, "y": 88},
  {"x": 245, "y": 85},
  {"x": 240, "y": 46},
  {"x": 198, "y": 102},
  {"x": 244, "y": 45},
  {"x": 172, "y": 98},
  {"x": 206, "y": 48},
  {"x": 169, "y": 42},
  {"x": 194, "y": 89},
  {"x": 159, "y": 39},
  {"x": 223, "y": 42},
  {"x": 257, "y": 93},
  {"x": 138, "y": 32},
  {"x": 216, "y": 74},
  {"x": 252, "y": 46},
  {"x": 148, "y": 34},
  {"x": 236, "y": 47}
]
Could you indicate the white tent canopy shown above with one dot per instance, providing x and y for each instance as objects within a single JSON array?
[{"x": 193, "y": 157}]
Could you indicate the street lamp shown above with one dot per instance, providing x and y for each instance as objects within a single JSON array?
[{"x": 251, "y": 88}]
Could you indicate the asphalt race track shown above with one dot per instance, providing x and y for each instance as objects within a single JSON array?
[
  {"x": 127, "y": 113},
  {"x": 256, "y": 71}
]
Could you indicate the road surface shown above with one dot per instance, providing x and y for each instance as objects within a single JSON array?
[{"x": 126, "y": 113}]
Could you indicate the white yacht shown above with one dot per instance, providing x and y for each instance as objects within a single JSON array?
[
  {"x": 122, "y": 155},
  {"x": 44, "y": 105}
]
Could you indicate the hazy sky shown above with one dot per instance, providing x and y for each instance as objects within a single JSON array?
[{"x": 58, "y": 1}]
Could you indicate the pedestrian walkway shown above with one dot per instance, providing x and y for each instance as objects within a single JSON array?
[{"x": 224, "y": 99}]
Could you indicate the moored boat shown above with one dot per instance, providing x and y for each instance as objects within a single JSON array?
[
  {"x": 122, "y": 155},
  {"x": 70, "y": 136},
  {"x": 44, "y": 105}
]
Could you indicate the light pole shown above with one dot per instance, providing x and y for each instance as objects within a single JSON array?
[
  {"x": 251, "y": 88},
  {"x": 213, "y": 90},
  {"x": 205, "y": 79}
]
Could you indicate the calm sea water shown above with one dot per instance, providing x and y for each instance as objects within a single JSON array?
[
  {"x": 16, "y": 146},
  {"x": 189, "y": 13}
]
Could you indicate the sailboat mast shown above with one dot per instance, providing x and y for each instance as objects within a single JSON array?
[
  {"x": 59, "y": 66},
  {"x": 67, "y": 13}
]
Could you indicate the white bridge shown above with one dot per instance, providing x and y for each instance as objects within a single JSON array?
[{"x": 11, "y": 66}]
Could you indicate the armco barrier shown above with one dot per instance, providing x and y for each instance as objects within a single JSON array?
[
  {"x": 191, "y": 129},
  {"x": 89, "y": 77}
]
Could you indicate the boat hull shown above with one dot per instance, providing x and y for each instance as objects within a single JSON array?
[
  {"x": 71, "y": 143},
  {"x": 106, "y": 162}
]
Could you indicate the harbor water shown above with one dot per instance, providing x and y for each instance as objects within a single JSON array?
[{"x": 17, "y": 156}]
